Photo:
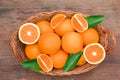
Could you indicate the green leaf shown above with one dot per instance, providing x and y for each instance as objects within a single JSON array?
[
  {"x": 94, "y": 20},
  {"x": 31, "y": 65},
  {"x": 72, "y": 61}
]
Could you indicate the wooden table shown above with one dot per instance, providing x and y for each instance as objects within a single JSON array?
[{"x": 13, "y": 12}]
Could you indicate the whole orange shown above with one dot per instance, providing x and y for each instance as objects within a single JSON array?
[
  {"x": 59, "y": 58},
  {"x": 64, "y": 27},
  {"x": 32, "y": 51},
  {"x": 81, "y": 61},
  {"x": 72, "y": 42},
  {"x": 90, "y": 36},
  {"x": 49, "y": 43},
  {"x": 44, "y": 26}
]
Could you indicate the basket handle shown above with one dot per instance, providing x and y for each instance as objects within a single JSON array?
[{"x": 112, "y": 40}]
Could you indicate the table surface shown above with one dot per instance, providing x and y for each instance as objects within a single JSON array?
[{"x": 13, "y": 12}]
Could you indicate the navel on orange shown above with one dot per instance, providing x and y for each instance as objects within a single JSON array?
[
  {"x": 90, "y": 36},
  {"x": 29, "y": 33},
  {"x": 49, "y": 43},
  {"x": 59, "y": 58},
  {"x": 72, "y": 42},
  {"x": 44, "y": 26},
  {"x": 64, "y": 27},
  {"x": 56, "y": 20},
  {"x": 45, "y": 62},
  {"x": 94, "y": 53},
  {"x": 32, "y": 51},
  {"x": 79, "y": 23}
]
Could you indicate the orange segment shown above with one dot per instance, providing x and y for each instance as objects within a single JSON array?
[
  {"x": 49, "y": 43},
  {"x": 45, "y": 62},
  {"x": 56, "y": 20},
  {"x": 64, "y": 27},
  {"x": 44, "y": 27},
  {"x": 94, "y": 53},
  {"x": 29, "y": 33},
  {"x": 79, "y": 23}
]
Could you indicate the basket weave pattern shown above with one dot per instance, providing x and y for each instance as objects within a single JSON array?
[{"x": 18, "y": 47}]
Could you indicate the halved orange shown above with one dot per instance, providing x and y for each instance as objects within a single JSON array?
[
  {"x": 56, "y": 20},
  {"x": 45, "y": 62},
  {"x": 29, "y": 33},
  {"x": 94, "y": 53},
  {"x": 79, "y": 23}
]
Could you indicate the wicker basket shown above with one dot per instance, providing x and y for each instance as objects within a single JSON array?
[{"x": 18, "y": 47}]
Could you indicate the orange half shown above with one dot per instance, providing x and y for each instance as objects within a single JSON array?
[
  {"x": 29, "y": 33},
  {"x": 94, "y": 53}
]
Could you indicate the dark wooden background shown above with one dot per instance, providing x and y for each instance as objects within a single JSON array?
[{"x": 13, "y": 12}]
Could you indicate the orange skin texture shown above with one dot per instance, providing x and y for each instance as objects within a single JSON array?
[
  {"x": 59, "y": 59},
  {"x": 64, "y": 27},
  {"x": 44, "y": 27},
  {"x": 32, "y": 51},
  {"x": 90, "y": 36},
  {"x": 72, "y": 42},
  {"x": 49, "y": 43}
]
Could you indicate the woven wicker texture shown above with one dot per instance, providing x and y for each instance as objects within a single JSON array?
[{"x": 18, "y": 47}]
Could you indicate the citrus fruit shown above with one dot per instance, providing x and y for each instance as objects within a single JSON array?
[
  {"x": 90, "y": 36},
  {"x": 64, "y": 27},
  {"x": 72, "y": 42},
  {"x": 79, "y": 23},
  {"x": 45, "y": 62},
  {"x": 94, "y": 53},
  {"x": 81, "y": 61},
  {"x": 56, "y": 20},
  {"x": 44, "y": 26},
  {"x": 49, "y": 43},
  {"x": 59, "y": 58},
  {"x": 29, "y": 33},
  {"x": 32, "y": 51}
]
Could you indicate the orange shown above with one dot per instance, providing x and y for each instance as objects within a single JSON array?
[
  {"x": 59, "y": 58},
  {"x": 81, "y": 61},
  {"x": 49, "y": 43},
  {"x": 29, "y": 33},
  {"x": 79, "y": 23},
  {"x": 45, "y": 62},
  {"x": 32, "y": 51},
  {"x": 90, "y": 36},
  {"x": 56, "y": 20},
  {"x": 72, "y": 42},
  {"x": 94, "y": 53},
  {"x": 64, "y": 27},
  {"x": 44, "y": 26}
]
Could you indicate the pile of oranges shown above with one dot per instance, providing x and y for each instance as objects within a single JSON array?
[{"x": 51, "y": 43}]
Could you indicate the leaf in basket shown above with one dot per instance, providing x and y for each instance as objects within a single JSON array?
[
  {"x": 72, "y": 61},
  {"x": 94, "y": 20},
  {"x": 31, "y": 65}
]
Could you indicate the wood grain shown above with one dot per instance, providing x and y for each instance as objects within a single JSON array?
[{"x": 14, "y": 12}]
